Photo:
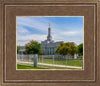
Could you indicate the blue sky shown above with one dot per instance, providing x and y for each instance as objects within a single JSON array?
[{"x": 67, "y": 29}]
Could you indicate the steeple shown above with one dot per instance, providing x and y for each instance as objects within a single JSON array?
[
  {"x": 49, "y": 24},
  {"x": 49, "y": 37}
]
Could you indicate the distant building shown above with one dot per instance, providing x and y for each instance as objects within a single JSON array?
[
  {"x": 22, "y": 49},
  {"x": 49, "y": 46}
]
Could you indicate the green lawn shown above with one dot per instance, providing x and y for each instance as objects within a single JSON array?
[
  {"x": 28, "y": 67},
  {"x": 70, "y": 62},
  {"x": 20, "y": 66},
  {"x": 62, "y": 62}
]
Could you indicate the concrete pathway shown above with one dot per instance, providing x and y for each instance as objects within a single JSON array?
[{"x": 45, "y": 64}]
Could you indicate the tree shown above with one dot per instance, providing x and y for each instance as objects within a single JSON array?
[
  {"x": 18, "y": 48},
  {"x": 33, "y": 47},
  {"x": 66, "y": 49},
  {"x": 41, "y": 52},
  {"x": 80, "y": 49}
]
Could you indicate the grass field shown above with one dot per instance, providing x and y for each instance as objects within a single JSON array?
[
  {"x": 21, "y": 66},
  {"x": 49, "y": 62},
  {"x": 62, "y": 62},
  {"x": 28, "y": 67}
]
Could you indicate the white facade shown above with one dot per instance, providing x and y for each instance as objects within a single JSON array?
[{"x": 49, "y": 46}]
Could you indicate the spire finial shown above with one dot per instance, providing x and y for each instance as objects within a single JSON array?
[{"x": 49, "y": 24}]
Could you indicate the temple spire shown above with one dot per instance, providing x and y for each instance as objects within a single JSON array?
[
  {"x": 49, "y": 37},
  {"x": 49, "y": 24}
]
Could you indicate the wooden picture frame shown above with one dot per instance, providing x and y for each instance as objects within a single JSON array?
[{"x": 9, "y": 76}]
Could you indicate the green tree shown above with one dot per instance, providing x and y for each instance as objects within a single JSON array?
[
  {"x": 33, "y": 47},
  {"x": 80, "y": 49},
  {"x": 18, "y": 48},
  {"x": 66, "y": 49},
  {"x": 41, "y": 52}
]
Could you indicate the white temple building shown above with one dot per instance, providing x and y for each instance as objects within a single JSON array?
[{"x": 49, "y": 46}]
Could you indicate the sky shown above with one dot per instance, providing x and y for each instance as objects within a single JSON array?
[{"x": 67, "y": 29}]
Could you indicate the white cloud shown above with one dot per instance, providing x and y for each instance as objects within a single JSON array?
[
  {"x": 70, "y": 33},
  {"x": 21, "y": 30},
  {"x": 23, "y": 39}
]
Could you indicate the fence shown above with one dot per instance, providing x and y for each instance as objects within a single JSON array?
[{"x": 52, "y": 61}]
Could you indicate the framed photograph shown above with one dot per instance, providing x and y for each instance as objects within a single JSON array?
[
  {"x": 36, "y": 50},
  {"x": 49, "y": 43}
]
